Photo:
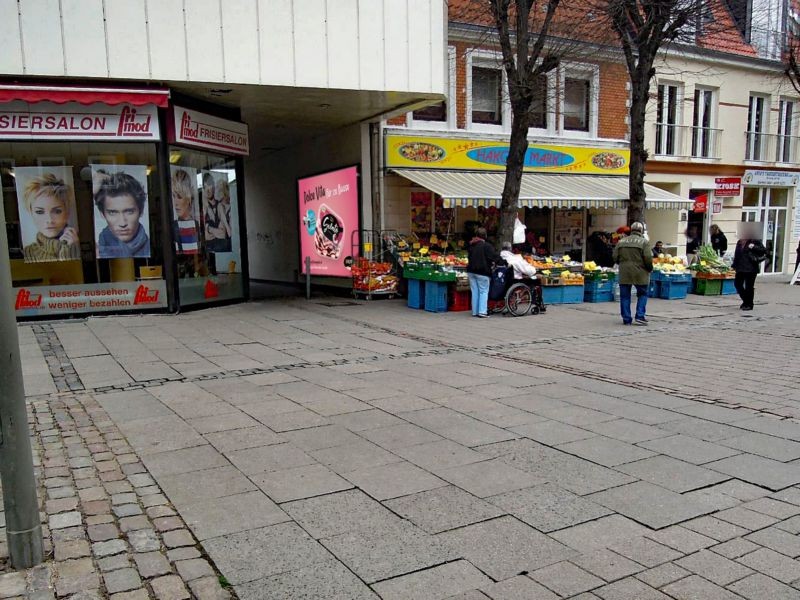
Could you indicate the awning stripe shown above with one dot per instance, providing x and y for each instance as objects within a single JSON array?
[
  {"x": 465, "y": 188},
  {"x": 61, "y": 94}
]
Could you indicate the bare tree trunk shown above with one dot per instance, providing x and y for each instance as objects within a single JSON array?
[
  {"x": 515, "y": 163},
  {"x": 640, "y": 94}
]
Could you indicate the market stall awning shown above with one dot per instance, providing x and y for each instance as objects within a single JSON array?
[
  {"x": 465, "y": 188},
  {"x": 60, "y": 94}
]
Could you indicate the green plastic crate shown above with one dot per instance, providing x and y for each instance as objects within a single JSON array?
[{"x": 708, "y": 287}]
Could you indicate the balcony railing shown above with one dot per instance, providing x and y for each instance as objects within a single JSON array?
[
  {"x": 687, "y": 141},
  {"x": 771, "y": 147}
]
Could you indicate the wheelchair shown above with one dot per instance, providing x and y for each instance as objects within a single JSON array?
[{"x": 517, "y": 297}]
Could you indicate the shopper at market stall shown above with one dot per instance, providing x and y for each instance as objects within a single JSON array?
[
  {"x": 747, "y": 259},
  {"x": 522, "y": 270},
  {"x": 693, "y": 240},
  {"x": 718, "y": 240},
  {"x": 635, "y": 259},
  {"x": 481, "y": 259}
]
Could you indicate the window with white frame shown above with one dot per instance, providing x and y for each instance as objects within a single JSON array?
[
  {"x": 786, "y": 150},
  {"x": 487, "y": 95},
  {"x": 539, "y": 108},
  {"x": 667, "y": 117},
  {"x": 577, "y": 104},
  {"x": 704, "y": 136},
  {"x": 757, "y": 115}
]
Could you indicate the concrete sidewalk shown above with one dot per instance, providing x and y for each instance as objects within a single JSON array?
[{"x": 338, "y": 449}]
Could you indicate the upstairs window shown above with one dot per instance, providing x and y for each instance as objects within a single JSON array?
[
  {"x": 786, "y": 151},
  {"x": 538, "y": 112},
  {"x": 487, "y": 96},
  {"x": 756, "y": 128},
  {"x": 667, "y": 120},
  {"x": 435, "y": 112},
  {"x": 703, "y": 134},
  {"x": 577, "y": 104}
]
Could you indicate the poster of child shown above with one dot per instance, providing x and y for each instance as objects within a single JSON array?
[
  {"x": 185, "y": 210},
  {"x": 121, "y": 223},
  {"x": 48, "y": 220}
]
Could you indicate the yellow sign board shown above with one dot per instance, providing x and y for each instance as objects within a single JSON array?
[{"x": 415, "y": 152}]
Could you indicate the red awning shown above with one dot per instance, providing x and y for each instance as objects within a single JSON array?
[{"x": 84, "y": 95}]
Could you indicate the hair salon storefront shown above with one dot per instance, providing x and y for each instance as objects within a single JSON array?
[{"x": 118, "y": 200}]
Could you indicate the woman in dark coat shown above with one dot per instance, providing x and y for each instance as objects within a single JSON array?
[
  {"x": 482, "y": 258},
  {"x": 718, "y": 240},
  {"x": 747, "y": 259}
]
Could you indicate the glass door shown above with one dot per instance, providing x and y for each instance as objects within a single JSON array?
[{"x": 774, "y": 239}]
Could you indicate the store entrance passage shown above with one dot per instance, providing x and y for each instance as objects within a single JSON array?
[{"x": 769, "y": 207}]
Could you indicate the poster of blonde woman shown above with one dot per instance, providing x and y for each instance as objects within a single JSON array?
[
  {"x": 121, "y": 220},
  {"x": 48, "y": 220}
]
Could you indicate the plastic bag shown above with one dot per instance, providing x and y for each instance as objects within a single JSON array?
[{"x": 519, "y": 232}]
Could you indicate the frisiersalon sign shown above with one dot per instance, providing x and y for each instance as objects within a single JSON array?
[
  {"x": 201, "y": 130},
  {"x": 93, "y": 298},
  {"x": 74, "y": 121}
]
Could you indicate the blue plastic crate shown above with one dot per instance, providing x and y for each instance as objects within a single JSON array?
[
  {"x": 728, "y": 287},
  {"x": 598, "y": 285},
  {"x": 435, "y": 296},
  {"x": 673, "y": 290},
  {"x": 654, "y": 289},
  {"x": 590, "y": 296},
  {"x": 553, "y": 294},
  {"x": 416, "y": 293}
]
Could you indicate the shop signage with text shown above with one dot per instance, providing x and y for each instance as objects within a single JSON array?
[
  {"x": 403, "y": 151},
  {"x": 328, "y": 206},
  {"x": 73, "y": 121},
  {"x": 99, "y": 297},
  {"x": 771, "y": 178},
  {"x": 701, "y": 204},
  {"x": 194, "y": 128},
  {"x": 727, "y": 187}
]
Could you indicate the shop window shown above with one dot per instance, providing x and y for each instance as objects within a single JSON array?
[
  {"x": 667, "y": 132},
  {"x": 487, "y": 96},
  {"x": 85, "y": 216},
  {"x": 704, "y": 136},
  {"x": 577, "y": 104},
  {"x": 205, "y": 210},
  {"x": 758, "y": 110}
]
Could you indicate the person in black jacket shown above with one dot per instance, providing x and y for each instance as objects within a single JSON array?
[
  {"x": 482, "y": 258},
  {"x": 718, "y": 240},
  {"x": 747, "y": 259}
]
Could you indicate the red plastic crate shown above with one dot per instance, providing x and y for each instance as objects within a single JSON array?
[{"x": 460, "y": 301}]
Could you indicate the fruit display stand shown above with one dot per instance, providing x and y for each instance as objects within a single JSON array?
[
  {"x": 598, "y": 283},
  {"x": 567, "y": 288},
  {"x": 707, "y": 285}
]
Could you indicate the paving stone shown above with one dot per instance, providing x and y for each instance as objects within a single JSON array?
[
  {"x": 151, "y": 564},
  {"x": 399, "y": 436},
  {"x": 339, "y": 513},
  {"x": 443, "y": 508},
  {"x": 689, "y": 449},
  {"x": 184, "y": 553},
  {"x": 759, "y": 471},
  {"x": 694, "y": 587},
  {"x": 599, "y": 534},
  {"x": 73, "y": 576},
  {"x": 124, "y": 498},
  {"x": 122, "y": 580},
  {"x": 208, "y": 588},
  {"x": 101, "y": 549},
  {"x": 442, "y": 581},
  {"x": 504, "y": 547},
  {"x": 629, "y": 589},
  {"x": 64, "y": 550},
  {"x": 133, "y": 523},
  {"x": 61, "y": 505},
  {"x": 92, "y": 493},
  {"x": 248, "y": 437},
  {"x": 517, "y": 588},
  {"x": 652, "y": 505},
  {"x": 64, "y": 520},
  {"x": 736, "y": 547},
  {"x": 12, "y": 584},
  {"x": 301, "y": 482},
  {"x": 196, "y": 458},
  {"x": 773, "y": 564},
  {"x": 748, "y": 519},
  {"x": 607, "y": 564},
  {"x": 102, "y": 532},
  {"x": 681, "y": 539},
  {"x": 112, "y": 563},
  {"x": 127, "y": 510},
  {"x": 140, "y": 594},
  {"x": 217, "y": 482},
  {"x": 606, "y": 451},
  {"x": 489, "y": 478},
  {"x": 350, "y": 457},
  {"x": 767, "y": 446},
  {"x": 714, "y": 567},
  {"x": 327, "y": 579},
  {"x": 761, "y": 587},
  {"x": 156, "y": 512},
  {"x": 96, "y": 507},
  {"x": 193, "y": 569},
  {"x": 662, "y": 575},
  {"x": 143, "y": 540},
  {"x": 167, "y": 523},
  {"x": 714, "y": 528},
  {"x": 791, "y": 525},
  {"x": 566, "y": 579},
  {"x": 552, "y": 433},
  {"x": 645, "y": 551},
  {"x": 548, "y": 508},
  {"x": 177, "y": 538},
  {"x": 169, "y": 587},
  {"x": 259, "y": 553},
  {"x": 773, "y": 508},
  {"x": 394, "y": 480},
  {"x": 672, "y": 474},
  {"x": 221, "y": 516}
]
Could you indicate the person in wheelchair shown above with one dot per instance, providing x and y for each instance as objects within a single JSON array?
[
  {"x": 522, "y": 293},
  {"x": 522, "y": 270}
]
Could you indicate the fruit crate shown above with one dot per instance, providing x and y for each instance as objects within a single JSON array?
[
  {"x": 671, "y": 288},
  {"x": 416, "y": 294},
  {"x": 562, "y": 294},
  {"x": 598, "y": 285},
  {"x": 599, "y": 275},
  {"x": 460, "y": 301},
  {"x": 708, "y": 287},
  {"x": 654, "y": 289},
  {"x": 435, "y": 296},
  {"x": 606, "y": 296},
  {"x": 728, "y": 287}
]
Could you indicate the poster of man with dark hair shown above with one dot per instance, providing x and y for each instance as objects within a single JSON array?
[{"x": 121, "y": 221}]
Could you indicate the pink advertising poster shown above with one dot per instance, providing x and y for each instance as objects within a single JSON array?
[{"x": 328, "y": 218}]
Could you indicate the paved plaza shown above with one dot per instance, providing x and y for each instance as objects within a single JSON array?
[{"x": 333, "y": 449}]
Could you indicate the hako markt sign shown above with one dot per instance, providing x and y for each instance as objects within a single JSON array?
[
  {"x": 74, "y": 121},
  {"x": 727, "y": 187},
  {"x": 99, "y": 297},
  {"x": 201, "y": 130}
]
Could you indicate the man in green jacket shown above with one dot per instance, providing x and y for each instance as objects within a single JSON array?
[{"x": 634, "y": 256}]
